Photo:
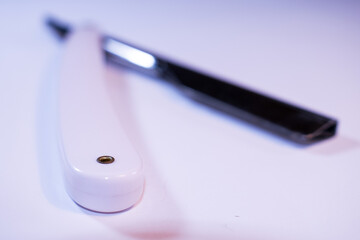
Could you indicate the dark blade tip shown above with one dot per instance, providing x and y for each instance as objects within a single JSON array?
[
  {"x": 327, "y": 130},
  {"x": 61, "y": 29}
]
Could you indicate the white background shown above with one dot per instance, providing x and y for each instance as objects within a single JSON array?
[{"x": 208, "y": 176}]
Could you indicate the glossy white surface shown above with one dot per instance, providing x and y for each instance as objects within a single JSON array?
[
  {"x": 89, "y": 128},
  {"x": 208, "y": 176}
]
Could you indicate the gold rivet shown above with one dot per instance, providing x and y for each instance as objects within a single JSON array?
[{"x": 105, "y": 159}]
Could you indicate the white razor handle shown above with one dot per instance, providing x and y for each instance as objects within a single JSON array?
[{"x": 102, "y": 170}]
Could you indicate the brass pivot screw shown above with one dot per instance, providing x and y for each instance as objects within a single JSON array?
[{"x": 105, "y": 159}]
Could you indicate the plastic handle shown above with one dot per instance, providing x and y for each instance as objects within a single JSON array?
[{"x": 102, "y": 170}]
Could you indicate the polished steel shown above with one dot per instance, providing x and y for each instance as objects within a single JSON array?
[{"x": 286, "y": 120}]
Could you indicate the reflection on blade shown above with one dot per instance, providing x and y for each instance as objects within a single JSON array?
[{"x": 130, "y": 54}]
